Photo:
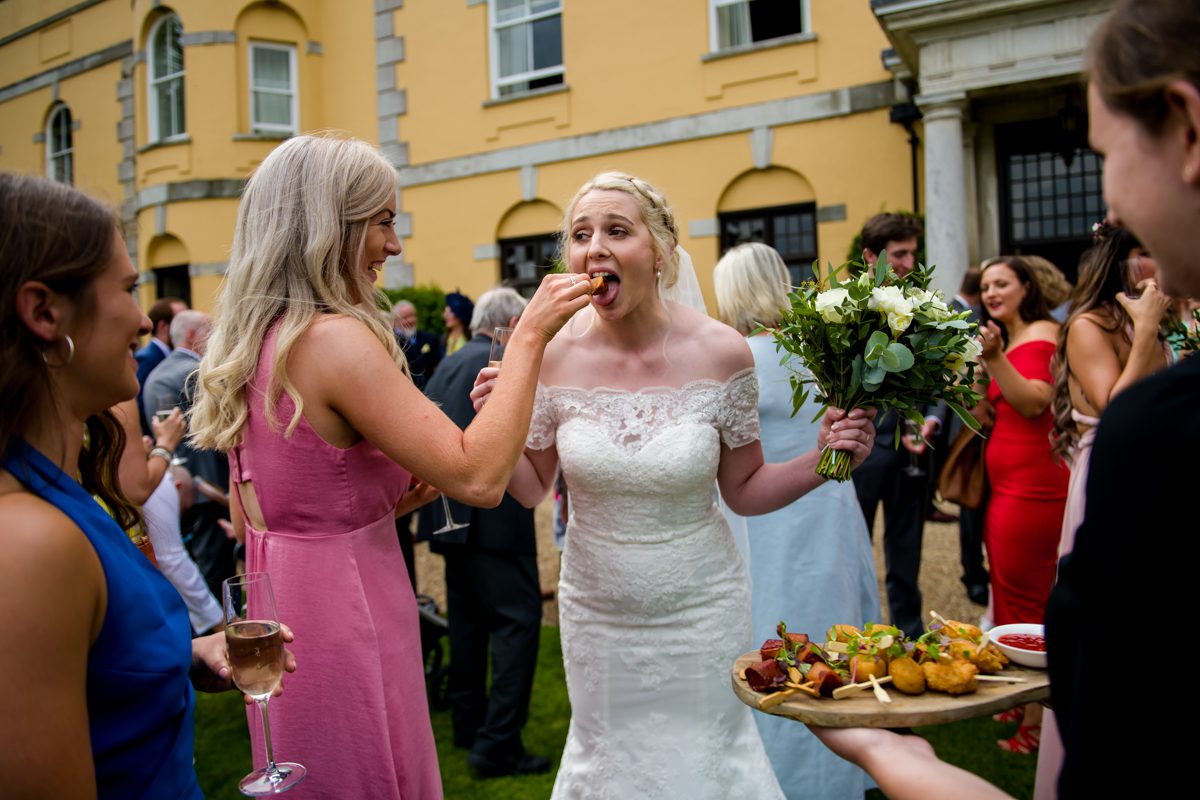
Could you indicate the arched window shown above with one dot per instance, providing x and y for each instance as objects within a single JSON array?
[
  {"x": 60, "y": 146},
  {"x": 165, "y": 91}
]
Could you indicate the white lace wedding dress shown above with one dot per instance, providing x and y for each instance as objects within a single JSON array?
[{"x": 654, "y": 600}]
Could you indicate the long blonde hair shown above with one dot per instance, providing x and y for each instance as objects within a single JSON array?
[
  {"x": 301, "y": 231},
  {"x": 751, "y": 281}
]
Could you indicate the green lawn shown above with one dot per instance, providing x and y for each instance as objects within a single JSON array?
[{"x": 223, "y": 745}]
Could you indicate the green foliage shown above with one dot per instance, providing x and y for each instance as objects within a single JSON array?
[
  {"x": 879, "y": 340},
  {"x": 223, "y": 742},
  {"x": 429, "y": 301},
  {"x": 1184, "y": 337}
]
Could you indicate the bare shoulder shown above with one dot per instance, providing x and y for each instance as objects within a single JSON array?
[
  {"x": 331, "y": 333},
  {"x": 1090, "y": 330},
  {"x": 1043, "y": 330},
  {"x": 713, "y": 342},
  {"x": 44, "y": 551},
  {"x": 334, "y": 345}
]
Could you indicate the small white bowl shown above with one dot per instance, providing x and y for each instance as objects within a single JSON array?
[{"x": 1026, "y": 658}]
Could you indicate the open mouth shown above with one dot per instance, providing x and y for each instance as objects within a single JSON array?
[{"x": 605, "y": 287}]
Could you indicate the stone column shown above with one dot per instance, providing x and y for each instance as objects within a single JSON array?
[{"x": 945, "y": 190}]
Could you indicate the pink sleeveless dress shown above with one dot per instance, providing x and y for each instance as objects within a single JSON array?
[{"x": 354, "y": 712}]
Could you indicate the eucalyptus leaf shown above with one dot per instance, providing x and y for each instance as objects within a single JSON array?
[
  {"x": 899, "y": 354},
  {"x": 965, "y": 416}
]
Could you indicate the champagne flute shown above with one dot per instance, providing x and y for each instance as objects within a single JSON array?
[
  {"x": 500, "y": 337},
  {"x": 913, "y": 432},
  {"x": 450, "y": 525},
  {"x": 254, "y": 646}
]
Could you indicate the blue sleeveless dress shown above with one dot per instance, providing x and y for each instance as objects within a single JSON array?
[{"x": 139, "y": 699}]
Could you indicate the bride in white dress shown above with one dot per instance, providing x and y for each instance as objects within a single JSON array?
[{"x": 647, "y": 403}]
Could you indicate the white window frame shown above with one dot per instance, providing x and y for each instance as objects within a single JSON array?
[
  {"x": 58, "y": 160},
  {"x": 494, "y": 51},
  {"x": 293, "y": 91},
  {"x": 714, "y": 32},
  {"x": 154, "y": 81}
]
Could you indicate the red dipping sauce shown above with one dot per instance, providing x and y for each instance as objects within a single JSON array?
[{"x": 1024, "y": 641}]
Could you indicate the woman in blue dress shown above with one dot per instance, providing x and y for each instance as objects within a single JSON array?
[
  {"x": 95, "y": 697},
  {"x": 810, "y": 562}
]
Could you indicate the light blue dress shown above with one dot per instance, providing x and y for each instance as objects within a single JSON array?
[{"x": 811, "y": 566}]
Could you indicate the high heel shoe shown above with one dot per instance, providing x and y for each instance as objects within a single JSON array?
[
  {"x": 1025, "y": 742},
  {"x": 1012, "y": 715}
]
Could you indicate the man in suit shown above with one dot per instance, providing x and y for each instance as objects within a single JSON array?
[
  {"x": 492, "y": 586},
  {"x": 157, "y": 349},
  {"x": 421, "y": 348},
  {"x": 884, "y": 476},
  {"x": 173, "y": 382},
  {"x": 970, "y": 520}
]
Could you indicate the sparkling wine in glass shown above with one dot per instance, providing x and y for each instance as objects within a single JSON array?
[
  {"x": 500, "y": 337},
  {"x": 165, "y": 406},
  {"x": 254, "y": 646}
]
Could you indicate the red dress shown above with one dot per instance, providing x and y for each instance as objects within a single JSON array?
[{"x": 1028, "y": 498}]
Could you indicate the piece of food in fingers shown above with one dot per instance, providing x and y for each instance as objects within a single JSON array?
[{"x": 597, "y": 284}]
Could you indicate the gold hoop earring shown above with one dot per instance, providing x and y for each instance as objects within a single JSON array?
[{"x": 70, "y": 354}]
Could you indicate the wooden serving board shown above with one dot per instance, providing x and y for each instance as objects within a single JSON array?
[{"x": 862, "y": 710}]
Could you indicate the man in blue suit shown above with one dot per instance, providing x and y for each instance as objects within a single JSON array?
[
  {"x": 157, "y": 349},
  {"x": 492, "y": 587}
]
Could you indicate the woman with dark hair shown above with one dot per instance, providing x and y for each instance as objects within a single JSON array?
[
  {"x": 1028, "y": 488},
  {"x": 94, "y": 691},
  {"x": 457, "y": 316},
  {"x": 1109, "y": 342}
]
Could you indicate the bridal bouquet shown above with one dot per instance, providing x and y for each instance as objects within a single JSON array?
[{"x": 877, "y": 340}]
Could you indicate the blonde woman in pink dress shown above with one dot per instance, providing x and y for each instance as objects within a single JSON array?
[{"x": 306, "y": 389}]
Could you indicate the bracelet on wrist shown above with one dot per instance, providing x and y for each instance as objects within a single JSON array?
[{"x": 163, "y": 453}]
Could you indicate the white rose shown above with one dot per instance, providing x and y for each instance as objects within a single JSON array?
[
  {"x": 886, "y": 299},
  {"x": 891, "y": 303},
  {"x": 973, "y": 349},
  {"x": 830, "y": 305},
  {"x": 899, "y": 321},
  {"x": 938, "y": 309}
]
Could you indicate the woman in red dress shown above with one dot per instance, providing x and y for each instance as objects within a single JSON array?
[{"x": 1028, "y": 486}]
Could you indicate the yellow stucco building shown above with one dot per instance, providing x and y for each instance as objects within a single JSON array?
[
  {"x": 771, "y": 125},
  {"x": 163, "y": 109},
  {"x": 786, "y": 121}
]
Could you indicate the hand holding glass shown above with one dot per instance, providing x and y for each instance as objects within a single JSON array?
[{"x": 254, "y": 645}]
